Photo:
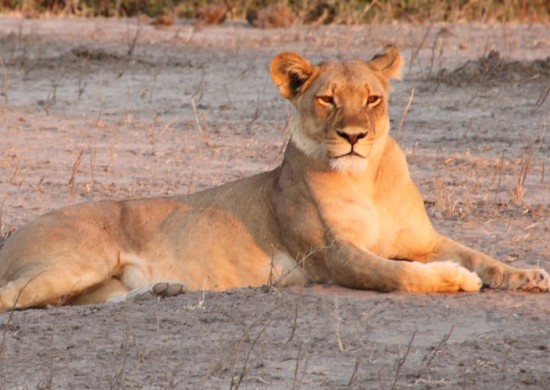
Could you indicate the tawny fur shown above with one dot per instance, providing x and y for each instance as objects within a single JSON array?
[{"x": 341, "y": 208}]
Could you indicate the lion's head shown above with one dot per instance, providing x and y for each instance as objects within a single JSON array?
[{"x": 342, "y": 106}]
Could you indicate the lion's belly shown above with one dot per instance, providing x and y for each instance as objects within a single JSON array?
[
  {"x": 211, "y": 249},
  {"x": 215, "y": 272}
]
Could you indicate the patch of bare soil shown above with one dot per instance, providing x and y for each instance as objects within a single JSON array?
[
  {"x": 492, "y": 69},
  {"x": 101, "y": 109}
]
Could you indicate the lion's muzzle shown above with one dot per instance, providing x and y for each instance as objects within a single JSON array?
[{"x": 352, "y": 138}]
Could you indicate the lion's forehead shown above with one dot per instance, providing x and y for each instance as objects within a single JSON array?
[{"x": 349, "y": 77}]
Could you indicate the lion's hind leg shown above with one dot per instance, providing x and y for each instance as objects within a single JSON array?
[
  {"x": 44, "y": 284},
  {"x": 58, "y": 257},
  {"x": 103, "y": 292},
  {"x": 168, "y": 288},
  {"x": 114, "y": 291}
]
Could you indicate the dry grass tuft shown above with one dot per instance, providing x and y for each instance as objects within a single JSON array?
[{"x": 526, "y": 162}]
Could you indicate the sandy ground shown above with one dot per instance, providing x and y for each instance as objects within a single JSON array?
[{"x": 102, "y": 109}]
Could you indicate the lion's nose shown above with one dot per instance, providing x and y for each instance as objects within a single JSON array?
[{"x": 351, "y": 138}]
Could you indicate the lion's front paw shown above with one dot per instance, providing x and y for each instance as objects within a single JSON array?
[
  {"x": 460, "y": 278},
  {"x": 443, "y": 276},
  {"x": 533, "y": 280},
  {"x": 468, "y": 281}
]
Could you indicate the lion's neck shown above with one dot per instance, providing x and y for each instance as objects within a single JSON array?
[{"x": 302, "y": 160}]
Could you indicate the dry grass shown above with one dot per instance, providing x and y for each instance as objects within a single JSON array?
[
  {"x": 447, "y": 201},
  {"x": 309, "y": 11},
  {"x": 526, "y": 162}
]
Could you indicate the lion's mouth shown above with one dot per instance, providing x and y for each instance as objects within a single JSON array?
[
  {"x": 351, "y": 153},
  {"x": 351, "y": 162}
]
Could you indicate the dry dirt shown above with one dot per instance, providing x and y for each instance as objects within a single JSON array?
[{"x": 101, "y": 109}]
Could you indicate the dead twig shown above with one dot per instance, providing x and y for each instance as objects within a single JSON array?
[
  {"x": 230, "y": 102},
  {"x": 415, "y": 53},
  {"x": 49, "y": 382},
  {"x": 237, "y": 380},
  {"x": 497, "y": 177},
  {"x": 196, "y": 114},
  {"x": 525, "y": 167},
  {"x": 540, "y": 101},
  {"x": 5, "y": 85},
  {"x": 129, "y": 341},
  {"x": 204, "y": 136},
  {"x": 82, "y": 84},
  {"x": 401, "y": 361},
  {"x": 353, "y": 377},
  {"x": 403, "y": 116},
  {"x": 337, "y": 326},
  {"x": 301, "y": 262},
  {"x": 7, "y": 326},
  {"x": 344, "y": 347},
  {"x": 133, "y": 41},
  {"x": 15, "y": 172},
  {"x": 1, "y": 213},
  {"x": 295, "y": 384},
  {"x": 74, "y": 171},
  {"x": 257, "y": 111},
  {"x": 430, "y": 357},
  {"x": 295, "y": 319},
  {"x": 99, "y": 119},
  {"x": 199, "y": 89},
  {"x": 92, "y": 167}
]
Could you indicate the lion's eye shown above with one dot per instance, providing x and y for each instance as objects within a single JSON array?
[
  {"x": 326, "y": 100},
  {"x": 373, "y": 101}
]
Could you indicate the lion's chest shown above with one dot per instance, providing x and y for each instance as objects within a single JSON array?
[
  {"x": 353, "y": 217},
  {"x": 352, "y": 221}
]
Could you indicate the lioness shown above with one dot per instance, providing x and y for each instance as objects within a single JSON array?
[{"x": 341, "y": 208}]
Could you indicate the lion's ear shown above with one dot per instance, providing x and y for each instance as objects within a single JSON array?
[
  {"x": 289, "y": 72},
  {"x": 389, "y": 63}
]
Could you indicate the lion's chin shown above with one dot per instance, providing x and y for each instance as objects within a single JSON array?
[{"x": 349, "y": 164}]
